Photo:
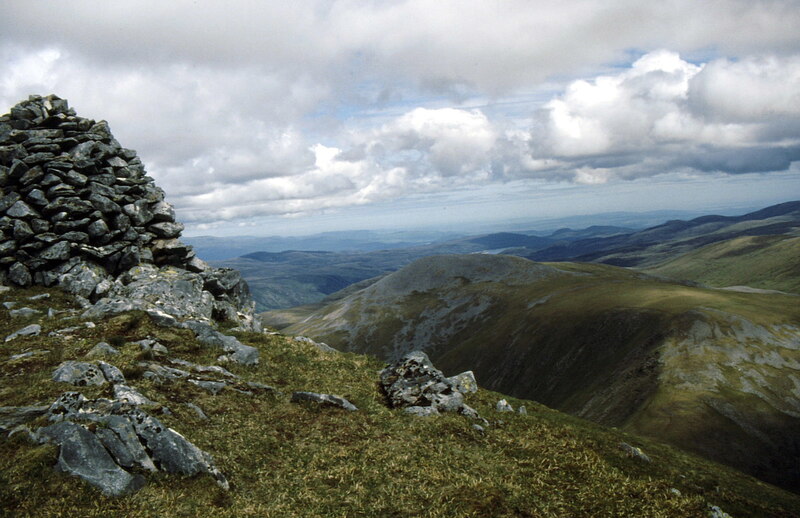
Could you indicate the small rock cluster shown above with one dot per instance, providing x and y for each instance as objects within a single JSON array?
[
  {"x": 77, "y": 210},
  {"x": 103, "y": 440},
  {"x": 415, "y": 385}
]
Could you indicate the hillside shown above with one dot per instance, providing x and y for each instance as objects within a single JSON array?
[
  {"x": 660, "y": 243},
  {"x": 288, "y": 278},
  {"x": 287, "y": 459},
  {"x": 712, "y": 371},
  {"x": 770, "y": 262}
]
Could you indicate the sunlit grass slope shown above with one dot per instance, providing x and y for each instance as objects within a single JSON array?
[
  {"x": 284, "y": 459},
  {"x": 765, "y": 262}
]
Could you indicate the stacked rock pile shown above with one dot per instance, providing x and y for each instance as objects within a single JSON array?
[{"x": 77, "y": 210}]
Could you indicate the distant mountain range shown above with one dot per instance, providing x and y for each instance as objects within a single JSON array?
[{"x": 283, "y": 279}]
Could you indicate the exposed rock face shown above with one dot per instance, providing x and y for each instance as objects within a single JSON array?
[
  {"x": 78, "y": 210},
  {"x": 413, "y": 383}
]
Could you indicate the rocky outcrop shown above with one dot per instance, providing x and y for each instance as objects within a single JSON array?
[
  {"x": 77, "y": 210},
  {"x": 102, "y": 440},
  {"x": 414, "y": 384}
]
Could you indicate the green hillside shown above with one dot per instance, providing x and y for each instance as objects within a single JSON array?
[
  {"x": 765, "y": 262},
  {"x": 710, "y": 370},
  {"x": 287, "y": 459}
]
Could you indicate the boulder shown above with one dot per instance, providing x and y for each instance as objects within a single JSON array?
[
  {"x": 82, "y": 454},
  {"x": 413, "y": 382},
  {"x": 31, "y": 330},
  {"x": 79, "y": 374}
]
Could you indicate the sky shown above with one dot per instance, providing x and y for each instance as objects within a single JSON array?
[{"x": 281, "y": 118}]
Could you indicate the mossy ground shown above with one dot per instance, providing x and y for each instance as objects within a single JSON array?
[{"x": 285, "y": 459}]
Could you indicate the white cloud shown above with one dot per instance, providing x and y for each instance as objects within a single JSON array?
[
  {"x": 664, "y": 113},
  {"x": 255, "y": 108}
]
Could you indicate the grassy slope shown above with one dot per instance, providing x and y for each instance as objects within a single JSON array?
[
  {"x": 294, "y": 460},
  {"x": 766, "y": 262},
  {"x": 613, "y": 346}
]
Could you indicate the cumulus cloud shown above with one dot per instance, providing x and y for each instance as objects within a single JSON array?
[
  {"x": 664, "y": 113},
  {"x": 283, "y": 108}
]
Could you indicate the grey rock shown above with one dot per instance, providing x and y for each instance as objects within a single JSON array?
[
  {"x": 123, "y": 392},
  {"x": 166, "y": 230},
  {"x": 28, "y": 354},
  {"x": 260, "y": 387},
  {"x": 197, "y": 410},
  {"x": 82, "y": 279},
  {"x": 22, "y": 231},
  {"x": 82, "y": 454},
  {"x": 171, "y": 451},
  {"x": 111, "y": 373},
  {"x": 522, "y": 410},
  {"x": 19, "y": 274},
  {"x": 478, "y": 428},
  {"x": 79, "y": 373},
  {"x": 161, "y": 373},
  {"x": 7, "y": 201},
  {"x": 23, "y": 312},
  {"x": 60, "y": 251},
  {"x": 421, "y": 411},
  {"x": 504, "y": 406},
  {"x": 121, "y": 426},
  {"x": 413, "y": 381},
  {"x": 237, "y": 351},
  {"x": 139, "y": 212},
  {"x": 214, "y": 387},
  {"x": 102, "y": 349},
  {"x": 162, "y": 212},
  {"x": 319, "y": 345},
  {"x": 104, "y": 204},
  {"x": 97, "y": 229},
  {"x": 22, "y": 210},
  {"x": 13, "y": 416},
  {"x": 36, "y": 197},
  {"x": 324, "y": 399},
  {"x": 31, "y": 330},
  {"x": 465, "y": 382}
]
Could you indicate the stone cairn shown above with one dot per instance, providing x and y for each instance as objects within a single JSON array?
[{"x": 78, "y": 211}]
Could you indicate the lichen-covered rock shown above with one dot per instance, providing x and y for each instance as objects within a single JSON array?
[
  {"x": 413, "y": 381},
  {"x": 80, "y": 374}
]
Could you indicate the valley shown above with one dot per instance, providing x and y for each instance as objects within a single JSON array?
[{"x": 712, "y": 371}]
